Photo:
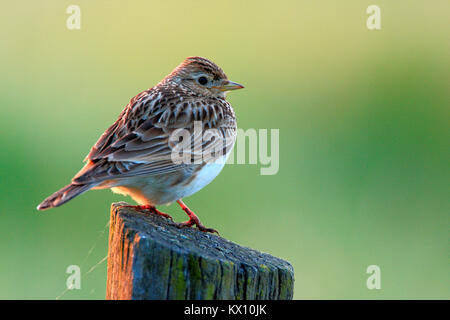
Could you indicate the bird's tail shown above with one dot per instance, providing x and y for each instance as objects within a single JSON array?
[{"x": 65, "y": 194}]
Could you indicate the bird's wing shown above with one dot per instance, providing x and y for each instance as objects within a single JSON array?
[
  {"x": 118, "y": 128},
  {"x": 141, "y": 142}
]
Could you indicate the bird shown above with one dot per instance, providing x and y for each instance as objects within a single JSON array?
[{"x": 168, "y": 142}]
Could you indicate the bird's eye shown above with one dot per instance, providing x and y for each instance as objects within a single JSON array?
[{"x": 202, "y": 80}]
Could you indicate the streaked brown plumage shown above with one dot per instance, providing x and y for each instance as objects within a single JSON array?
[{"x": 134, "y": 155}]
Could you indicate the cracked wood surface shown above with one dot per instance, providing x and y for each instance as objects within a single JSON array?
[{"x": 150, "y": 258}]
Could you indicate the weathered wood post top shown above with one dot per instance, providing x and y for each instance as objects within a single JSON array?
[{"x": 150, "y": 258}]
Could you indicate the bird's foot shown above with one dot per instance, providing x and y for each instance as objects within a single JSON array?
[
  {"x": 197, "y": 223},
  {"x": 193, "y": 220},
  {"x": 149, "y": 209}
]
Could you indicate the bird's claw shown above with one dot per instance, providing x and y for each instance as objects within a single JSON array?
[
  {"x": 149, "y": 209},
  {"x": 192, "y": 221}
]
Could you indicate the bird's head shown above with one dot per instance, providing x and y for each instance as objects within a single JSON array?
[{"x": 203, "y": 77}]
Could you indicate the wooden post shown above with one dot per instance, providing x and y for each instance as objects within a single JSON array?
[{"x": 150, "y": 258}]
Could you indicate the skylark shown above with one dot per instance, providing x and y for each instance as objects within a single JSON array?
[{"x": 139, "y": 154}]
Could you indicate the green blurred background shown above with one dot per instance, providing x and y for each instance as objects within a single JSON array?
[{"x": 364, "y": 135}]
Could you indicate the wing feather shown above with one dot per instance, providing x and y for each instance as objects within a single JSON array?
[{"x": 138, "y": 142}]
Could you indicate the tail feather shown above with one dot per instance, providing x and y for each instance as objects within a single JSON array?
[{"x": 62, "y": 196}]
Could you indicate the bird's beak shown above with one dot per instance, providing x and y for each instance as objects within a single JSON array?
[{"x": 229, "y": 85}]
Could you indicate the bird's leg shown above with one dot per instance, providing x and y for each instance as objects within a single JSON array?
[
  {"x": 193, "y": 220},
  {"x": 150, "y": 209}
]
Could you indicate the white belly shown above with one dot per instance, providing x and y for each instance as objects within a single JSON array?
[
  {"x": 207, "y": 174},
  {"x": 165, "y": 189}
]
